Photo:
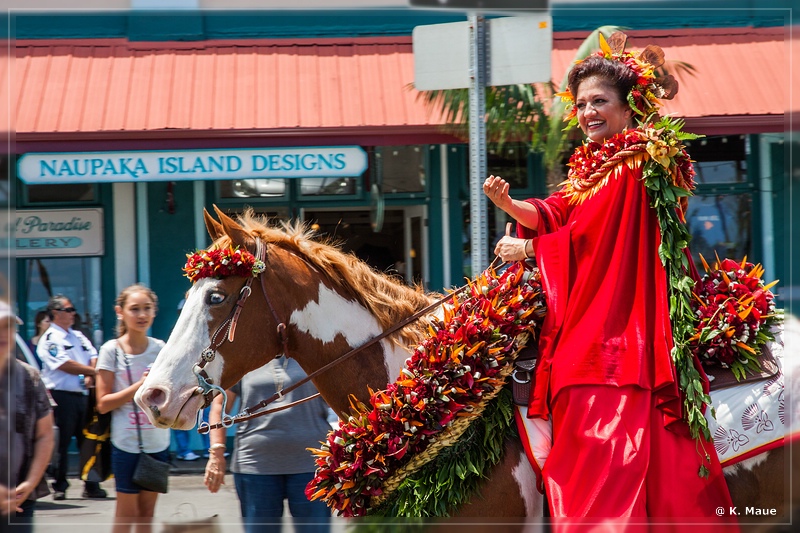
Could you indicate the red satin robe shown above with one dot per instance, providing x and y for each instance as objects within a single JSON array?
[{"x": 608, "y": 326}]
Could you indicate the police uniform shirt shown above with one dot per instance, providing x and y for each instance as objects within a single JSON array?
[{"x": 56, "y": 347}]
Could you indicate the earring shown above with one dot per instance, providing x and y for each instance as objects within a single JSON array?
[{"x": 119, "y": 317}]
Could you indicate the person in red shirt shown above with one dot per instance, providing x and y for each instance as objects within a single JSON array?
[{"x": 621, "y": 443}]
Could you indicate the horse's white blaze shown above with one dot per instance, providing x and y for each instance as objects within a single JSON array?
[
  {"x": 332, "y": 315},
  {"x": 172, "y": 372},
  {"x": 526, "y": 481}
]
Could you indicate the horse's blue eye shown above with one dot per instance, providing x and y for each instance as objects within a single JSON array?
[{"x": 216, "y": 298}]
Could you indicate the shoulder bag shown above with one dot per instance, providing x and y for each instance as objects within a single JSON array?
[{"x": 150, "y": 473}]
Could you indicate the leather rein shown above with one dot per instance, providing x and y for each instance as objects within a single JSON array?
[{"x": 226, "y": 332}]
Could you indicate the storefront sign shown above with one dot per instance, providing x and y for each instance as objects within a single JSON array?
[
  {"x": 106, "y": 167},
  {"x": 59, "y": 232}
]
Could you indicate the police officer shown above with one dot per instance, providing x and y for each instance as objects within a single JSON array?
[{"x": 68, "y": 360}]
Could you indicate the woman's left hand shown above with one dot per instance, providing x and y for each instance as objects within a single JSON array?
[
  {"x": 215, "y": 472},
  {"x": 511, "y": 249}
]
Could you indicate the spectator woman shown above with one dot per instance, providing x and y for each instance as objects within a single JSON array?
[{"x": 122, "y": 365}]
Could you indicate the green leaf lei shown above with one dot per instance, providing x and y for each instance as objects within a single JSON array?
[{"x": 659, "y": 179}]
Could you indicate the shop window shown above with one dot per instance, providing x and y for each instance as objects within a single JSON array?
[
  {"x": 719, "y": 172},
  {"x": 402, "y": 168},
  {"x": 72, "y": 192},
  {"x": 720, "y": 224},
  {"x": 510, "y": 163},
  {"x": 78, "y": 278},
  {"x": 719, "y": 159},
  {"x": 328, "y": 186},
  {"x": 253, "y": 188}
]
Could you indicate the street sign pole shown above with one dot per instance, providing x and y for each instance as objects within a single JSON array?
[
  {"x": 479, "y": 242},
  {"x": 473, "y": 54}
]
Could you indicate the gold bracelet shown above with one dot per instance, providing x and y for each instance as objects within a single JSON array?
[
  {"x": 217, "y": 446},
  {"x": 525, "y": 248}
]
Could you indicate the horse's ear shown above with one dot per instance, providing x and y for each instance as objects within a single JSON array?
[
  {"x": 233, "y": 230},
  {"x": 213, "y": 227}
]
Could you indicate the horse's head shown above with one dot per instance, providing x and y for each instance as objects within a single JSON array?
[
  {"x": 170, "y": 394},
  {"x": 312, "y": 301}
]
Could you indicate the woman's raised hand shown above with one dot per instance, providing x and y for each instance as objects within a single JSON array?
[{"x": 496, "y": 189}]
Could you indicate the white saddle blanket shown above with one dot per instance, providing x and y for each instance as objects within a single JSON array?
[{"x": 752, "y": 417}]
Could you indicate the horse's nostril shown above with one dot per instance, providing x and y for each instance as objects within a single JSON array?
[{"x": 155, "y": 397}]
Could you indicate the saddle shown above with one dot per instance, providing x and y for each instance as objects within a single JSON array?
[{"x": 522, "y": 376}]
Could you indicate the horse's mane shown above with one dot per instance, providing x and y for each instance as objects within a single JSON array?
[{"x": 386, "y": 297}]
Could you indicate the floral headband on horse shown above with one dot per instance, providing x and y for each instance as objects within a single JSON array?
[
  {"x": 222, "y": 263},
  {"x": 644, "y": 97}
]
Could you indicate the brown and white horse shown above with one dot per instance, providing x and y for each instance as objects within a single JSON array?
[{"x": 331, "y": 302}]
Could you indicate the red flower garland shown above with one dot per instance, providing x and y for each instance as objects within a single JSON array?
[
  {"x": 222, "y": 263},
  {"x": 735, "y": 312},
  {"x": 590, "y": 156},
  {"x": 445, "y": 378}
]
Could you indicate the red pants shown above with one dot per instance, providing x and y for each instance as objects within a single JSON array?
[{"x": 613, "y": 457}]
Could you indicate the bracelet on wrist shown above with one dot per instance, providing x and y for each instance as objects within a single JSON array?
[{"x": 217, "y": 446}]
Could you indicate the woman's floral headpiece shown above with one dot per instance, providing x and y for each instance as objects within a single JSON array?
[
  {"x": 644, "y": 97},
  {"x": 222, "y": 263}
]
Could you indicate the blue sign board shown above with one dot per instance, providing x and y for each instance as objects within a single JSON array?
[{"x": 177, "y": 165}]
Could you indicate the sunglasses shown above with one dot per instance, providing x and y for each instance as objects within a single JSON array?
[{"x": 67, "y": 309}]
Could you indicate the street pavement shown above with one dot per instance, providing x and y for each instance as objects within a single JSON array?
[{"x": 187, "y": 500}]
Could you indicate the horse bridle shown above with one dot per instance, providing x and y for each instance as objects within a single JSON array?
[{"x": 206, "y": 387}]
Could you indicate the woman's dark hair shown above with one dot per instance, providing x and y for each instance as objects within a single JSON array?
[
  {"x": 615, "y": 73},
  {"x": 39, "y": 317}
]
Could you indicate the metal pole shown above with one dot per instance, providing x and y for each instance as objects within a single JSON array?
[{"x": 477, "y": 144}]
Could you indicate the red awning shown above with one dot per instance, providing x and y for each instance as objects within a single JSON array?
[{"x": 115, "y": 89}]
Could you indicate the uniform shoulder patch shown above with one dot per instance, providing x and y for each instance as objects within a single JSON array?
[{"x": 52, "y": 349}]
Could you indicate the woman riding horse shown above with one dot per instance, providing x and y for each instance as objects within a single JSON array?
[{"x": 621, "y": 444}]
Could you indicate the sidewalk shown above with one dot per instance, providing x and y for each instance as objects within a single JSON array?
[{"x": 188, "y": 499}]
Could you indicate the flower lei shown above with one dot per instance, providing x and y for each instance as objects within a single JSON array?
[
  {"x": 735, "y": 312},
  {"x": 447, "y": 379},
  {"x": 221, "y": 263},
  {"x": 592, "y": 162},
  {"x": 644, "y": 97}
]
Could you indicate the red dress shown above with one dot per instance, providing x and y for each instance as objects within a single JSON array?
[{"x": 606, "y": 339}]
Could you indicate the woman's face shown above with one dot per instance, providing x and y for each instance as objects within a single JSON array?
[
  {"x": 601, "y": 113},
  {"x": 138, "y": 312},
  {"x": 43, "y": 324}
]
